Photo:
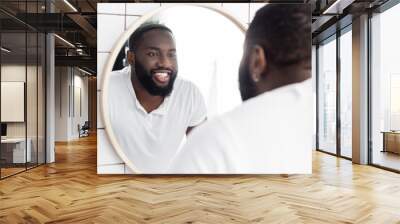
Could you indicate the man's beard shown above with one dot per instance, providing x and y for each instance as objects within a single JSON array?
[
  {"x": 146, "y": 79},
  {"x": 247, "y": 86}
]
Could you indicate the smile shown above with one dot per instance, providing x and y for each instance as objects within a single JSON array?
[{"x": 161, "y": 77}]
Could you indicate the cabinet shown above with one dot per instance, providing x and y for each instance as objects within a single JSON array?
[
  {"x": 391, "y": 141},
  {"x": 13, "y": 150}
]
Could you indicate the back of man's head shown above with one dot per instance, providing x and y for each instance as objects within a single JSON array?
[{"x": 284, "y": 32}]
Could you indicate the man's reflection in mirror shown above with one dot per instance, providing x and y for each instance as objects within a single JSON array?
[{"x": 151, "y": 108}]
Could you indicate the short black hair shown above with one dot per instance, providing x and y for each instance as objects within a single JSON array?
[
  {"x": 139, "y": 32},
  {"x": 284, "y": 32}
]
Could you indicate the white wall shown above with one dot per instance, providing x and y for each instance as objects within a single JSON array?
[
  {"x": 80, "y": 102},
  {"x": 61, "y": 103},
  {"x": 68, "y": 82},
  {"x": 112, "y": 20}
]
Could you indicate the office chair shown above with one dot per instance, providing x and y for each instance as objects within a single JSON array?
[{"x": 84, "y": 130}]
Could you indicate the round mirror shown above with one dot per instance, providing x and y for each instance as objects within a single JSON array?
[{"x": 208, "y": 45}]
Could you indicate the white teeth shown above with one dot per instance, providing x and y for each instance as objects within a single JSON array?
[{"x": 161, "y": 74}]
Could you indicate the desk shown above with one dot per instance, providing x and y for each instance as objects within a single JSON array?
[
  {"x": 391, "y": 141},
  {"x": 15, "y": 148}
]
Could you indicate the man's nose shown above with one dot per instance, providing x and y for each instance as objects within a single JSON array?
[{"x": 164, "y": 61}]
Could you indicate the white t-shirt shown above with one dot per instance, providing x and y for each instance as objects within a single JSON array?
[
  {"x": 150, "y": 140},
  {"x": 268, "y": 134}
]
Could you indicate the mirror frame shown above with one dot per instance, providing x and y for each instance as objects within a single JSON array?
[{"x": 107, "y": 69}]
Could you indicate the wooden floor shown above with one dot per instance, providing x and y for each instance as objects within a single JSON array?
[
  {"x": 70, "y": 191},
  {"x": 5, "y": 172},
  {"x": 10, "y": 171}
]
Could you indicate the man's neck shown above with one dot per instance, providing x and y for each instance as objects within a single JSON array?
[
  {"x": 284, "y": 78},
  {"x": 148, "y": 101}
]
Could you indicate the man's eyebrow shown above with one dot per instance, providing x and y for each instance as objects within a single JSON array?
[
  {"x": 153, "y": 48},
  {"x": 159, "y": 49}
]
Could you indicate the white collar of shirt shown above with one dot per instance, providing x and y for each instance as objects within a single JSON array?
[{"x": 161, "y": 110}]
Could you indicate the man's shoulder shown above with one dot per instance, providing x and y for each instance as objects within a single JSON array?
[
  {"x": 215, "y": 127},
  {"x": 117, "y": 83},
  {"x": 273, "y": 102},
  {"x": 119, "y": 73},
  {"x": 117, "y": 78},
  {"x": 185, "y": 91},
  {"x": 206, "y": 151}
]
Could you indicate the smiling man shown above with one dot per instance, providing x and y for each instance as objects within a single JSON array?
[{"x": 151, "y": 109}]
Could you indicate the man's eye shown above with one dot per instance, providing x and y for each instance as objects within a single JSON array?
[
  {"x": 172, "y": 55},
  {"x": 151, "y": 54}
]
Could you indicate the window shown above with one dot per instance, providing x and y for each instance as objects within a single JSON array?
[
  {"x": 385, "y": 88},
  {"x": 327, "y": 95},
  {"x": 346, "y": 93},
  {"x": 23, "y": 78}
]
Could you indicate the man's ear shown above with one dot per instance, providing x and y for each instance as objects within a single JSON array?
[
  {"x": 257, "y": 62},
  {"x": 131, "y": 57}
]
